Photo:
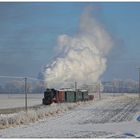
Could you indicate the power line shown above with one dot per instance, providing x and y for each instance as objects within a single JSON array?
[
  {"x": 20, "y": 77},
  {"x": 12, "y": 77}
]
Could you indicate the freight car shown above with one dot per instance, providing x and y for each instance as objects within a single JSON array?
[{"x": 59, "y": 96}]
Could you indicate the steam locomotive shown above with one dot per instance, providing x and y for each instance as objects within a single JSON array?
[{"x": 65, "y": 95}]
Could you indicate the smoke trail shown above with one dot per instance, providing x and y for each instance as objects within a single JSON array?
[{"x": 83, "y": 57}]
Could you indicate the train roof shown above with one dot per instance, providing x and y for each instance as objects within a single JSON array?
[
  {"x": 66, "y": 89},
  {"x": 83, "y": 90}
]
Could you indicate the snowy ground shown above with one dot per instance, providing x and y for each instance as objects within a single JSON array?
[
  {"x": 18, "y": 100},
  {"x": 8, "y": 101},
  {"x": 109, "y": 117}
]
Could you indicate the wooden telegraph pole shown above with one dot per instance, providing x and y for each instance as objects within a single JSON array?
[
  {"x": 139, "y": 83},
  {"x": 76, "y": 86},
  {"x": 99, "y": 86},
  {"x": 26, "y": 94}
]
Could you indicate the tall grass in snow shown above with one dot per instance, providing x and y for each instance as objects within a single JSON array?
[{"x": 33, "y": 115}]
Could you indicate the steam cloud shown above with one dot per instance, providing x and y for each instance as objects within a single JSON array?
[{"x": 83, "y": 57}]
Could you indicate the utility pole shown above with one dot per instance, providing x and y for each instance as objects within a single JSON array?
[
  {"x": 75, "y": 86},
  {"x": 139, "y": 83},
  {"x": 99, "y": 92},
  {"x": 25, "y": 80},
  {"x": 75, "y": 90}
]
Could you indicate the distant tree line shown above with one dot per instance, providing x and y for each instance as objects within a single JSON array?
[
  {"x": 121, "y": 86},
  {"x": 19, "y": 87},
  {"x": 115, "y": 86}
]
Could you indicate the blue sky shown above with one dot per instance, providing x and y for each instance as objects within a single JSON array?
[{"x": 29, "y": 31}]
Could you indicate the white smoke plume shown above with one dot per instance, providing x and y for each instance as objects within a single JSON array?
[{"x": 83, "y": 57}]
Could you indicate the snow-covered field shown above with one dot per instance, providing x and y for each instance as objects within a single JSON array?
[
  {"x": 8, "y": 101},
  {"x": 18, "y": 100},
  {"x": 110, "y": 117}
]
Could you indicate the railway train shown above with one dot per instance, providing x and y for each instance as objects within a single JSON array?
[{"x": 65, "y": 95}]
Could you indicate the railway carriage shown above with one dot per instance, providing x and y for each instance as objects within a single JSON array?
[{"x": 65, "y": 95}]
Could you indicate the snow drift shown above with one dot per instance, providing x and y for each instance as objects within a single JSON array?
[{"x": 82, "y": 57}]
